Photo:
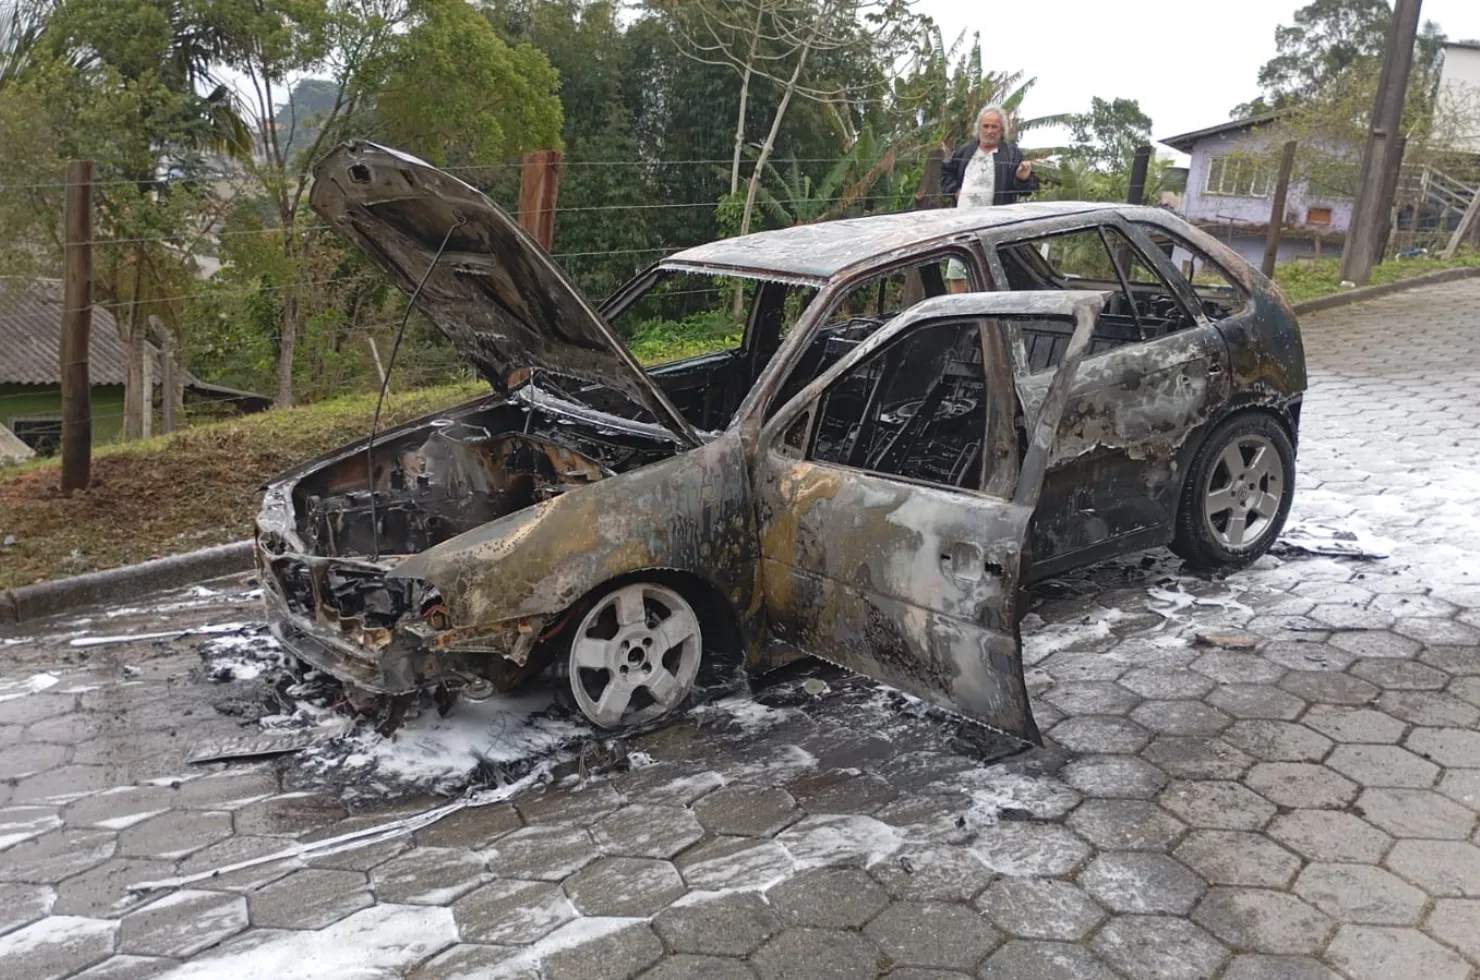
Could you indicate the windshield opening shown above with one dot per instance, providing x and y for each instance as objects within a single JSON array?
[{"x": 704, "y": 338}]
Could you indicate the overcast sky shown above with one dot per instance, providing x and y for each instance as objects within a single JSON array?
[{"x": 1187, "y": 63}]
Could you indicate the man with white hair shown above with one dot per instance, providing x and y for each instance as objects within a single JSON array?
[{"x": 986, "y": 171}]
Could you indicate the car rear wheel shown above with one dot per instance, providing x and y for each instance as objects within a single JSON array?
[
  {"x": 635, "y": 655},
  {"x": 1237, "y": 494}
]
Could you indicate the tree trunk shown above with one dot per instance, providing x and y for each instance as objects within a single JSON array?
[
  {"x": 755, "y": 40},
  {"x": 286, "y": 344},
  {"x": 765, "y": 154},
  {"x": 737, "y": 302},
  {"x": 288, "y": 340},
  {"x": 740, "y": 131}
]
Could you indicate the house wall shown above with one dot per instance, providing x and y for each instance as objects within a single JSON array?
[
  {"x": 1251, "y": 247},
  {"x": 1459, "y": 93},
  {"x": 32, "y": 400},
  {"x": 1217, "y": 209}
]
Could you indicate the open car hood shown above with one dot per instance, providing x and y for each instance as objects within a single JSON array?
[{"x": 494, "y": 292}]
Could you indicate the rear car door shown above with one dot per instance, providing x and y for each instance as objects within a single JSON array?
[
  {"x": 1155, "y": 371},
  {"x": 894, "y": 500}
]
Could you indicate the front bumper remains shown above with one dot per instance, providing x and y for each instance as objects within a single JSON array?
[{"x": 420, "y": 650}]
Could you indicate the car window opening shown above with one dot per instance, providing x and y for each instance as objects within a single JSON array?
[
  {"x": 1219, "y": 295},
  {"x": 916, "y": 410},
  {"x": 1142, "y": 305},
  {"x": 726, "y": 329},
  {"x": 864, "y": 309}
]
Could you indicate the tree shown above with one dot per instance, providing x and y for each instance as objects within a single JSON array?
[
  {"x": 455, "y": 93},
  {"x": 1327, "y": 38},
  {"x": 21, "y": 25},
  {"x": 792, "y": 198},
  {"x": 783, "y": 42},
  {"x": 139, "y": 72},
  {"x": 1107, "y": 135},
  {"x": 428, "y": 75},
  {"x": 1329, "y": 41},
  {"x": 936, "y": 102}
]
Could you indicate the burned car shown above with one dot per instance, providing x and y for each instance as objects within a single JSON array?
[{"x": 871, "y": 473}]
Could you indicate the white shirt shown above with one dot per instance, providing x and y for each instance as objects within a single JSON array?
[{"x": 979, "y": 183}]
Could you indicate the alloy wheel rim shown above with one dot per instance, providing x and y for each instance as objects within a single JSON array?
[
  {"x": 635, "y": 656},
  {"x": 1245, "y": 490}
]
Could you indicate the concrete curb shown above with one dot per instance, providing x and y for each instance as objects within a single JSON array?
[
  {"x": 30, "y": 602},
  {"x": 1362, "y": 293}
]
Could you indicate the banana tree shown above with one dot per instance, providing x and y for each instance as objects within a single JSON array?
[
  {"x": 21, "y": 25},
  {"x": 789, "y": 197},
  {"x": 936, "y": 104}
]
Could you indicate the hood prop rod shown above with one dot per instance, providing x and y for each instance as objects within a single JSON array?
[{"x": 385, "y": 384}]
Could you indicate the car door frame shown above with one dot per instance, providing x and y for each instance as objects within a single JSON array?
[
  {"x": 956, "y": 646},
  {"x": 1117, "y": 473},
  {"x": 758, "y": 407}
]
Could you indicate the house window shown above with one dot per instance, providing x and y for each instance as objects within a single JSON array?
[
  {"x": 43, "y": 433},
  {"x": 1237, "y": 177},
  {"x": 1318, "y": 216}
]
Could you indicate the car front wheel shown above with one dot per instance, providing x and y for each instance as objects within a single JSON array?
[
  {"x": 635, "y": 655},
  {"x": 1237, "y": 494}
]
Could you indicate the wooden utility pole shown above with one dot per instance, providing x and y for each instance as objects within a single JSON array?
[
  {"x": 539, "y": 186},
  {"x": 77, "y": 303},
  {"x": 1389, "y": 197},
  {"x": 1387, "y": 119},
  {"x": 1136, "y": 194},
  {"x": 1277, "y": 209},
  {"x": 929, "y": 194}
]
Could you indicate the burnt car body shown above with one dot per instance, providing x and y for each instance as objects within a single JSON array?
[{"x": 871, "y": 476}]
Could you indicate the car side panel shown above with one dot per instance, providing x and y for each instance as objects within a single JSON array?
[
  {"x": 1116, "y": 472},
  {"x": 691, "y": 513},
  {"x": 1266, "y": 354}
]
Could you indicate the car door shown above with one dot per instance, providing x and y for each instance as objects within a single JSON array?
[
  {"x": 1154, "y": 372},
  {"x": 896, "y": 560}
]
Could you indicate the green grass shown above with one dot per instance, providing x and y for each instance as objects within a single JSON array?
[
  {"x": 190, "y": 489},
  {"x": 1305, "y": 279},
  {"x": 659, "y": 341},
  {"x": 201, "y": 486}
]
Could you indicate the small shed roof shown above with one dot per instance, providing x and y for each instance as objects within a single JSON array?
[
  {"x": 31, "y": 345},
  {"x": 31, "y": 337}
]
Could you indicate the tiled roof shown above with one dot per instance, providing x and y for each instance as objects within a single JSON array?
[{"x": 31, "y": 337}]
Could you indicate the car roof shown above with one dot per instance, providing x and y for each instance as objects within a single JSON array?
[{"x": 817, "y": 252}]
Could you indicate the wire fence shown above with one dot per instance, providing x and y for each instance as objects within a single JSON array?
[
  {"x": 211, "y": 236},
  {"x": 226, "y": 176}
]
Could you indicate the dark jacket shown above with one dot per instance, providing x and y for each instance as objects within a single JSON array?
[{"x": 1009, "y": 189}]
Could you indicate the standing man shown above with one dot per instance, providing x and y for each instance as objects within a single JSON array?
[{"x": 988, "y": 171}]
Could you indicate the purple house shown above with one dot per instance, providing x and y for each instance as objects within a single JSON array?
[{"x": 1230, "y": 189}]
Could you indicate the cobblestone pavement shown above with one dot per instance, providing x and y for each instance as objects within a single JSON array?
[{"x": 1303, "y": 809}]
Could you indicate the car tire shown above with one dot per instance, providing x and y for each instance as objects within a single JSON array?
[
  {"x": 1237, "y": 494},
  {"x": 634, "y": 657}
]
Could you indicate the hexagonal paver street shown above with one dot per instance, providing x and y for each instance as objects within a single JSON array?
[{"x": 1270, "y": 775}]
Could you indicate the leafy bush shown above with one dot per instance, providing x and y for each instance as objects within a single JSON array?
[{"x": 660, "y": 341}]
